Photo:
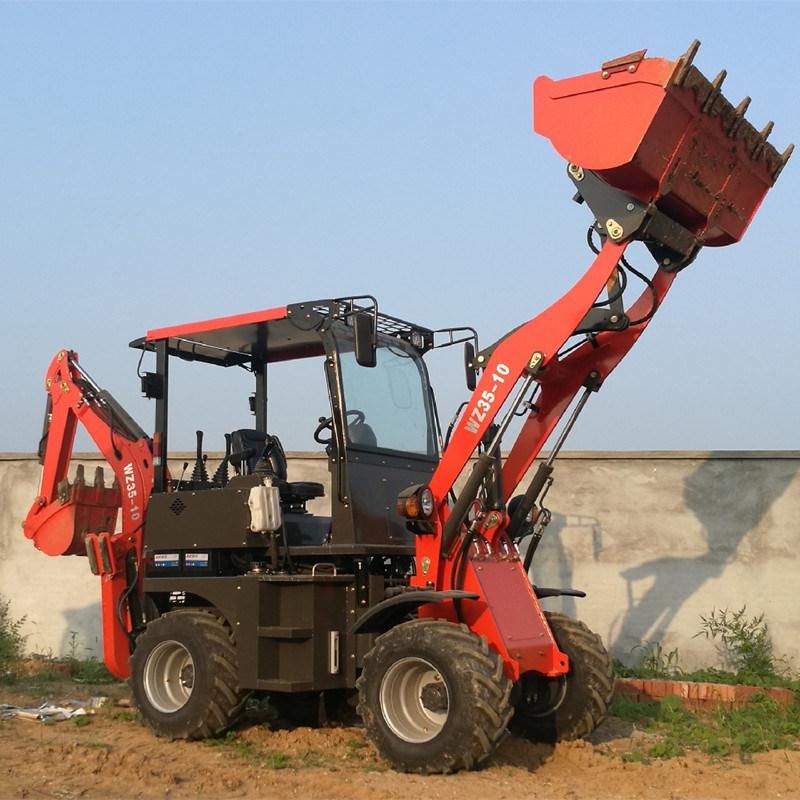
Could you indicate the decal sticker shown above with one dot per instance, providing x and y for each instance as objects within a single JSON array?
[{"x": 167, "y": 559}]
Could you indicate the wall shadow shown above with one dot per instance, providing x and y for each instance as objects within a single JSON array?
[
  {"x": 82, "y": 632},
  {"x": 729, "y": 498},
  {"x": 553, "y": 564}
]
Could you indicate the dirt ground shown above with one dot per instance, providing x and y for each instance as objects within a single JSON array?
[{"x": 114, "y": 756}]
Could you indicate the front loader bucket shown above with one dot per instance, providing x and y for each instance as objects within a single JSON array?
[{"x": 661, "y": 132}]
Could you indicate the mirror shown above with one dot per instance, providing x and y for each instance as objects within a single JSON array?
[
  {"x": 364, "y": 333},
  {"x": 469, "y": 366}
]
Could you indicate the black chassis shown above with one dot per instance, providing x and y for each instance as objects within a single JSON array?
[{"x": 291, "y": 599}]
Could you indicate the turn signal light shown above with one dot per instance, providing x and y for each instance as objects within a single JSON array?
[{"x": 416, "y": 502}]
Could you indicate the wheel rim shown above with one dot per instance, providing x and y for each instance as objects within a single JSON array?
[
  {"x": 546, "y": 697},
  {"x": 415, "y": 700},
  {"x": 169, "y": 677}
]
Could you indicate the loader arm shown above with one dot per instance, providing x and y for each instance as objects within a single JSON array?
[
  {"x": 660, "y": 157},
  {"x": 81, "y": 519}
]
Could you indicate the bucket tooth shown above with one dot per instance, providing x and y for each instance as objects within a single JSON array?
[
  {"x": 716, "y": 86},
  {"x": 762, "y": 139},
  {"x": 738, "y": 116},
  {"x": 99, "y": 478},
  {"x": 782, "y": 159},
  {"x": 685, "y": 62},
  {"x": 80, "y": 480}
]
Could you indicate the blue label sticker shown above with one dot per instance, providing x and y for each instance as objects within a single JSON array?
[{"x": 166, "y": 559}]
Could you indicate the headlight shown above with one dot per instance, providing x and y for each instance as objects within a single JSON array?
[
  {"x": 416, "y": 502},
  {"x": 426, "y": 502}
]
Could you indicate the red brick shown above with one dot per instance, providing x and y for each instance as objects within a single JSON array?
[
  {"x": 729, "y": 693},
  {"x": 783, "y": 696},
  {"x": 659, "y": 689},
  {"x": 743, "y": 694},
  {"x": 697, "y": 695},
  {"x": 674, "y": 688}
]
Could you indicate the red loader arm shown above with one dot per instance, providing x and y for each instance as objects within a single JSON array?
[
  {"x": 659, "y": 156},
  {"x": 77, "y": 519}
]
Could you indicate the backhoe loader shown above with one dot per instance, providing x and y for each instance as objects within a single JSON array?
[{"x": 412, "y": 599}]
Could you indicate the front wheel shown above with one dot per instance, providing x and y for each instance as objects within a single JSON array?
[
  {"x": 570, "y": 707},
  {"x": 184, "y": 675},
  {"x": 433, "y": 697}
]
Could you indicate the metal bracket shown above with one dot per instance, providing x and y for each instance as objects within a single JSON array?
[
  {"x": 618, "y": 215},
  {"x": 621, "y": 217},
  {"x": 602, "y": 319}
]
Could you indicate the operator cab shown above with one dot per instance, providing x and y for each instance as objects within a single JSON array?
[{"x": 380, "y": 436}]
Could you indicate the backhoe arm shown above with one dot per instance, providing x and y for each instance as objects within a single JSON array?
[{"x": 81, "y": 519}]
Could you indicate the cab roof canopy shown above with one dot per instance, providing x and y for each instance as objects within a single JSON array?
[{"x": 274, "y": 334}]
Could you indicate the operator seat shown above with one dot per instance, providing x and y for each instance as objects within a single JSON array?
[
  {"x": 361, "y": 434},
  {"x": 258, "y": 453}
]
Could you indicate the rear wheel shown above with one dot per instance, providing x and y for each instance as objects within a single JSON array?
[
  {"x": 570, "y": 707},
  {"x": 184, "y": 675},
  {"x": 433, "y": 697}
]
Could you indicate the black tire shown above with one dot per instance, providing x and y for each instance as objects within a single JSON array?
[
  {"x": 552, "y": 710},
  {"x": 457, "y": 694},
  {"x": 185, "y": 674}
]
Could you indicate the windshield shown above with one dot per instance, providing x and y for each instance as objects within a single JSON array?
[{"x": 387, "y": 406}]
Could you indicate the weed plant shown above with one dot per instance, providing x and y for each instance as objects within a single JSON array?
[
  {"x": 761, "y": 725},
  {"x": 744, "y": 646},
  {"x": 12, "y": 639}
]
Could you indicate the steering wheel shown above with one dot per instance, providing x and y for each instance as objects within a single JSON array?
[{"x": 327, "y": 422}]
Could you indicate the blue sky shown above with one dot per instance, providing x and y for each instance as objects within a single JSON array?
[{"x": 163, "y": 163}]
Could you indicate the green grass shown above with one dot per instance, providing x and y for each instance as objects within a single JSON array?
[
  {"x": 277, "y": 761},
  {"x": 89, "y": 670},
  {"x": 97, "y": 746},
  {"x": 39, "y": 672},
  {"x": 761, "y": 725},
  {"x": 355, "y": 744},
  {"x": 234, "y": 745},
  {"x": 744, "y": 646},
  {"x": 124, "y": 716}
]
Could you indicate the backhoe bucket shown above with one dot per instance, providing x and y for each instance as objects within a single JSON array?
[{"x": 661, "y": 132}]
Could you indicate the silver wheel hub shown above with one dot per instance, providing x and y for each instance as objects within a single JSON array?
[
  {"x": 415, "y": 700},
  {"x": 168, "y": 677}
]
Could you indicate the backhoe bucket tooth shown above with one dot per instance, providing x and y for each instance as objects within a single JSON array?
[
  {"x": 99, "y": 478},
  {"x": 664, "y": 134}
]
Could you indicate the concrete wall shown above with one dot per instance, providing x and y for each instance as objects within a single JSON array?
[{"x": 656, "y": 539}]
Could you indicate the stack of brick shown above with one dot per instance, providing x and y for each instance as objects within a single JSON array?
[{"x": 696, "y": 696}]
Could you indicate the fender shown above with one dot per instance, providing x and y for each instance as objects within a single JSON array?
[{"x": 390, "y": 612}]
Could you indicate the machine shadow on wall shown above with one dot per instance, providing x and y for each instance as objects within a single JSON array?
[
  {"x": 730, "y": 499},
  {"x": 553, "y": 564}
]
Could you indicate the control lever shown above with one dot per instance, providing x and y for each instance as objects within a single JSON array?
[
  {"x": 199, "y": 474},
  {"x": 221, "y": 475},
  {"x": 183, "y": 472}
]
